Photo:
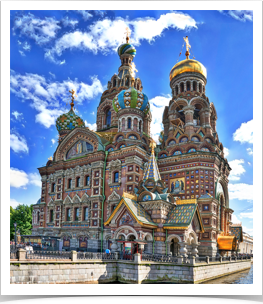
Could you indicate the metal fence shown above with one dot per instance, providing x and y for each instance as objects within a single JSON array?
[
  {"x": 13, "y": 254},
  {"x": 95, "y": 256},
  {"x": 48, "y": 255},
  {"x": 200, "y": 259},
  {"x": 159, "y": 258}
]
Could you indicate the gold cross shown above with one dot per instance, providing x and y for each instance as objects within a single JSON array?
[
  {"x": 127, "y": 32},
  {"x": 50, "y": 158}
]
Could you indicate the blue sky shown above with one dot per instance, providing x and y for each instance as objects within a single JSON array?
[{"x": 55, "y": 51}]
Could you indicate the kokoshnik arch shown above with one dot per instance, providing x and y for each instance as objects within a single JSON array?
[{"x": 116, "y": 184}]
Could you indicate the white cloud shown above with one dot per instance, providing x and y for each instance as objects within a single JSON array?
[
  {"x": 157, "y": 105},
  {"x": 18, "y": 143},
  {"x": 53, "y": 75},
  {"x": 92, "y": 113},
  {"x": 237, "y": 169},
  {"x": 240, "y": 191},
  {"x": 34, "y": 179},
  {"x": 17, "y": 115},
  {"x": 14, "y": 203},
  {"x": 235, "y": 219},
  {"x": 47, "y": 97},
  {"x": 69, "y": 22},
  {"x": 248, "y": 230},
  {"x": 20, "y": 179},
  {"x": 41, "y": 31},
  {"x": 92, "y": 127},
  {"x": 249, "y": 151},
  {"x": 240, "y": 15},
  {"x": 226, "y": 151},
  {"x": 106, "y": 35},
  {"x": 85, "y": 14},
  {"x": 249, "y": 163},
  {"x": 22, "y": 53},
  {"x": 244, "y": 133},
  {"x": 53, "y": 141},
  {"x": 246, "y": 215},
  {"x": 26, "y": 46}
]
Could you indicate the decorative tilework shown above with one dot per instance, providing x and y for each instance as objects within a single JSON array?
[{"x": 181, "y": 215}]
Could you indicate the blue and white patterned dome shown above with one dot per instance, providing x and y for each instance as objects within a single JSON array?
[{"x": 131, "y": 98}]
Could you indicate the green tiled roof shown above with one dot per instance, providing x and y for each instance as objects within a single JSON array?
[
  {"x": 181, "y": 215},
  {"x": 138, "y": 211}
]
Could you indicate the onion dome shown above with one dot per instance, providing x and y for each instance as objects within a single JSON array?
[
  {"x": 69, "y": 121},
  {"x": 126, "y": 48},
  {"x": 188, "y": 65},
  {"x": 131, "y": 98}
]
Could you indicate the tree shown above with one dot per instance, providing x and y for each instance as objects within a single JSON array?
[{"x": 22, "y": 215}]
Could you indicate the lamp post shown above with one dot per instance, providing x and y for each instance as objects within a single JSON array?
[{"x": 15, "y": 224}]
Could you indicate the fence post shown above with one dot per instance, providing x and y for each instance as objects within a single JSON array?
[
  {"x": 116, "y": 254},
  {"x": 74, "y": 256},
  {"x": 207, "y": 259},
  {"x": 180, "y": 259},
  {"x": 21, "y": 254},
  {"x": 137, "y": 258},
  {"x": 192, "y": 260}
]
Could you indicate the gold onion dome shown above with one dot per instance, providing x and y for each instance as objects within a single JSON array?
[{"x": 188, "y": 65}]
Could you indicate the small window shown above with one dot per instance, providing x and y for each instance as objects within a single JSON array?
[
  {"x": 53, "y": 187},
  {"x": 108, "y": 114},
  {"x": 86, "y": 213},
  {"x": 129, "y": 123},
  {"x": 68, "y": 214},
  {"x": 78, "y": 181},
  {"x": 205, "y": 207},
  {"x": 70, "y": 183},
  {"x": 76, "y": 214},
  {"x": 38, "y": 217},
  {"x": 116, "y": 177},
  {"x": 87, "y": 180},
  {"x": 51, "y": 216}
]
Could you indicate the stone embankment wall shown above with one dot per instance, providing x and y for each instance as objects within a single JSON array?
[{"x": 98, "y": 271}]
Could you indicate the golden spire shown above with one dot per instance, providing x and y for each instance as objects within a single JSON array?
[
  {"x": 152, "y": 145},
  {"x": 188, "y": 46},
  {"x": 127, "y": 32},
  {"x": 73, "y": 97}
]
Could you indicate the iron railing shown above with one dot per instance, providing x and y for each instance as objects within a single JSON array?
[
  {"x": 159, "y": 258},
  {"x": 95, "y": 256},
  {"x": 48, "y": 255}
]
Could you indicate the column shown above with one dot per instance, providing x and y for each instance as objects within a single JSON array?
[
  {"x": 194, "y": 250},
  {"x": 189, "y": 116}
]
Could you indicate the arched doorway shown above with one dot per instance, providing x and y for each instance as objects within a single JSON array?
[{"x": 174, "y": 247}]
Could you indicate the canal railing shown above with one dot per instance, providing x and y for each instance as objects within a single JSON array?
[{"x": 23, "y": 255}]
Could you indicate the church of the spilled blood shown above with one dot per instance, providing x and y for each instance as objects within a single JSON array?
[{"x": 115, "y": 187}]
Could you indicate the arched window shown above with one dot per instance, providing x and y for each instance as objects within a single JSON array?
[
  {"x": 140, "y": 126},
  {"x": 171, "y": 142},
  {"x": 200, "y": 88},
  {"x": 69, "y": 183},
  {"x": 68, "y": 215},
  {"x": 108, "y": 118},
  {"x": 133, "y": 137},
  {"x": 86, "y": 213},
  {"x": 122, "y": 146},
  {"x": 110, "y": 149},
  {"x": 87, "y": 180},
  {"x": 78, "y": 182},
  {"x": 194, "y": 85},
  {"x": 127, "y": 82},
  {"x": 38, "y": 217},
  {"x": 182, "y": 87},
  {"x": 116, "y": 177},
  {"x": 119, "y": 138},
  {"x": 163, "y": 155},
  {"x": 129, "y": 123},
  {"x": 76, "y": 214},
  {"x": 188, "y": 86},
  {"x": 114, "y": 82}
]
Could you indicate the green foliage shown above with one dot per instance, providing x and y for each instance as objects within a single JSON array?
[{"x": 22, "y": 215}]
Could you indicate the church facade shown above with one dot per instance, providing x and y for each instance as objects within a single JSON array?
[{"x": 116, "y": 184}]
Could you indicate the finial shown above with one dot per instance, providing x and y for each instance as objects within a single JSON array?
[
  {"x": 152, "y": 145},
  {"x": 188, "y": 46},
  {"x": 127, "y": 32},
  {"x": 73, "y": 97},
  {"x": 50, "y": 158}
]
